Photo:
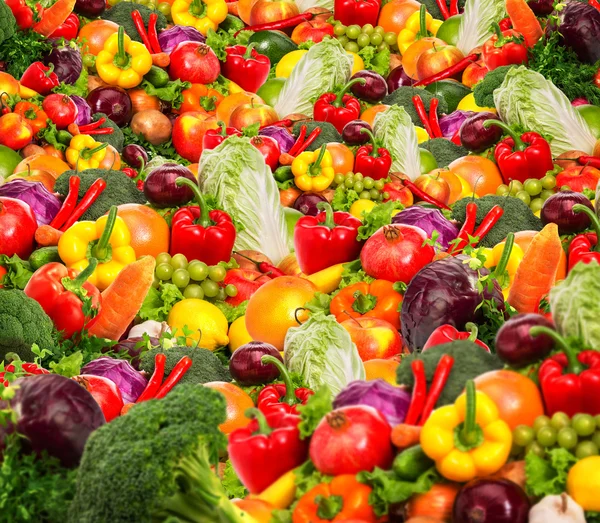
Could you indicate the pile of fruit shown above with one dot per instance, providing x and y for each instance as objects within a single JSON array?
[{"x": 294, "y": 261}]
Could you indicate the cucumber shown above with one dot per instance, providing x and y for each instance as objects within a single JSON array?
[
  {"x": 43, "y": 256},
  {"x": 411, "y": 463},
  {"x": 157, "y": 77}
]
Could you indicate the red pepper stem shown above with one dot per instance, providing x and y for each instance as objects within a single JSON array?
[
  {"x": 290, "y": 394},
  {"x": 504, "y": 258},
  {"x": 374, "y": 152},
  {"x": 474, "y": 331},
  {"x": 338, "y": 102},
  {"x": 575, "y": 367},
  {"x": 101, "y": 248},
  {"x": 500, "y": 37},
  {"x": 520, "y": 145},
  {"x": 204, "y": 219},
  {"x": 422, "y": 22},
  {"x": 329, "y": 217},
  {"x": 222, "y": 128},
  {"x": 468, "y": 433},
  {"x": 248, "y": 53},
  {"x": 577, "y": 208},
  {"x": 263, "y": 424}
]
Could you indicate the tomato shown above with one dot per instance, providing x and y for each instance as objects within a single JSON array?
[
  {"x": 104, "y": 391},
  {"x": 2, "y": 274},
  {"x": 269, "y": 148},
  {"x": 351, "y": 439},
  {"x": 60, "y": 109}
]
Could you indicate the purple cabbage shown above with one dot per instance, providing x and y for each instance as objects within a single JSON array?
[
  {"x": 170, "y": 38},
  {"x": 44, "y": 204},
  {"x": 579, "y": 27},
  {"x": 66, "y": 60},
  {"x": 281, "y": 135},
  {"x": 130, "y": 382},
  {"x": 429, "y": 220},
  {"x": 392, "y": 402},
  {"x": 450, "y": 123},
  {"x": 84, "y": 111}
]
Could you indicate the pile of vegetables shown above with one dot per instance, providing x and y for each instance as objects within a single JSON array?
[{"x": 294, "y": 261}]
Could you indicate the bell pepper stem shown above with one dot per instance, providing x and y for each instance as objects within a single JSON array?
[
  {"x": 197, "y": 8},
  {"x": 468, "y": 432},
  {"x": 101, "y": 248},
  {"x": 520, "y": 145},
  {"x": 85, "y": 273},
  {"x": 338, "y": 102},
  {"x": 504, "y": 258},
  {"x": 50, "y": 70},
  {"x": 315, "y": 167},
  {"x": 474, "y": 331},
  {"x": 222, "y": 128},
  {"x": 204, "y": 219},
  {"x": 575, "y": 367},
  {"x": 121, "y": 56},
  {"x": 422, "y": 22},
  {"x": 248, "y": 53},
  {"x": 374, "y": 152},
  {"x": 86, "y": 153},
  {"x": 329, "y": 217},
  {"x": 577, "y": 208},
  {"x": 498, "y": 32},
  {"x": 290, "y": 394},
  {"x": 263, "y": 424}
]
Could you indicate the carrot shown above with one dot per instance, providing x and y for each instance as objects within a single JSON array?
[
  {"x": 47, "y": 236},
  {"x": 123, "y": 298},
  {"x": 537, "y": 271},
  {"x": 404, "y": 435},
  {"x": 524, "y": 21},
  {"x": 161, "y": 60},
  {"x": 54, "y": 16}
]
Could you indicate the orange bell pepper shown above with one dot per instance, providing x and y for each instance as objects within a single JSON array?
[
  {"x": 375, "y": 300},
  {"x": 33, "y": 115},
  {"x": 201, "y": 98}
]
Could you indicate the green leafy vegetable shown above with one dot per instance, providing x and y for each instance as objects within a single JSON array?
[
  {"x": 159, "y": 302},
  {"x": 22, "y": 49},
  {"x": 548, "y": 475},
  {"x": 315, "y": 409},
  {"x": 320, "y": 303},
  {"x": 172, "y": 92},
  {"x": 231, "y": 483},
  {"x": 218, "y": 41},
  {"x": 378, "y": 61},
  {"x": 68, "y": 366},
  {"x": 343, "y": 198},
  {"x": 231, "y": 312},
  {"x": 165, "y": 150},
  {"x": 49, "y": 134},
  {"x": 18, "y": 272},
  {"x": 79, "y": 88},
  {"x": 354, "y": 273},
  {"x": 378, "y": 217}
]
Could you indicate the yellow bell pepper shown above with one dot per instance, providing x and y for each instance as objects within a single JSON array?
[
  {"x": 107, "y": 239},
  {"x": 201, "y": 14},
  {"x": 85, "y": 153},
  {"x": 418, "y": 25},
  {"x": 467, "y": 439},
  {"x": 123, "y": 62},
  {"x": 583, "y": 483},
  {"x": 506, "y": 257},
  {"x": 313, "y": 170}
]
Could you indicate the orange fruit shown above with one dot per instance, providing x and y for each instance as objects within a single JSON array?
[
  {"x": 95, "y": 34},
  {"x": 43, "y": 162},
  {"x": 237, "y": 404},
  {"x": 380, "y": 368},
  {"x": 370, "y": 114},
  {"x": 394, "y": 14},
  {"x": 232, "y": 102},
  {"x": 343, "y": 158},
  {"x": 150, "y": 233},
  {"x": 481, "y": 173},
  {"x": 272, "y": 308}
]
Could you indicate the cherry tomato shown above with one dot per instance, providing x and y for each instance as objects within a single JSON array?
[{"x": 60, "y": 109}]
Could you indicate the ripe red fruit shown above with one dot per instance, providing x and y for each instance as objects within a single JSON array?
[
  {"x": 194, "y": 62},
  {"x": 105, "y": 392}
]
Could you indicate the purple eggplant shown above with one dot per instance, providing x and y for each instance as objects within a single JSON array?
[
  {"x": 373, "y": 90},
  {"x": 558, "y": 209},
  {"x": 352, "y": 132},
  {"x": 398, "y": 78},
  {"x": 518, "y": 348},
  {"x": 475, "y": 137}
]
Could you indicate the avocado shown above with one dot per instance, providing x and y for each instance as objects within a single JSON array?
[
  {"x": 451, "y": 91},
  {"x": 272, "y": 44}
]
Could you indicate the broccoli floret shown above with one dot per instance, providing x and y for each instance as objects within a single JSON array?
[
  {"x": 403, "y": 96},
  {"x": 121, "y": 14},
  {"x": 517, "y": 217},
  {"x": 470, "y": 360},
  {"x": 205, "y": 367},
  {"x": 445, "y": 151},
  {"x": 23, "y": 322},
  {"x": 328, "y": 133},
  {"x": 120, "y": 189},
  {"x": 154, "y": 464},
  {"x": 8, "y": 24},
  {"x": 116, "y": 138},
  {"x": 484, "y": 90}
]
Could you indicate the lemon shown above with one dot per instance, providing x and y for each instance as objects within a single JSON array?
[
  {"x": 360, "y": 206},
  {"x": 288, "y": 62},
  {"x": 422, "y": 135},
  {"x": 358, "y": 64},
  {"x": 207, "y": 323},
  {"x": 238, "y": 334},
  {"x": 468, "y": 104}
]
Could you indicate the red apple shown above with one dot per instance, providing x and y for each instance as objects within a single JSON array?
[
  {"x": 373, "y": 337},
  {"x": 247, "y": 283},
  {"x": 579, "y": 178},
  {"x": 248, "y": 114},
  {"x": 437, "y": 59},
  {"x": 435, "y": 186},
  {"x": 189, "y": 130},
  {"x": 474, "y": 73},
  {"x": 264, "y": 11},
  {"x": 17, "y": 227},
  {"x": 399, "y": 192},
  {"x": 314, "y": 30}
]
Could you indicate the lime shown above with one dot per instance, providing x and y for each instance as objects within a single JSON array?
[
  {"x": 591, "y": 114},
  {"x": 428, "y": 161},
  {"x": 448, "y": 31}
]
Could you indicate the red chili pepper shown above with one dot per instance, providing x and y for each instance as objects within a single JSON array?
[
  {"x": 91, "y": 126},
  {"x": 155, "y": 381},
  {"x": 589, "y": 161},
  {"x": 487, "y": 224},
  {"x": 286, "y": 122},
  {"x": 467, "y": 228},
  {"x": 338, "y": 108},
  {"x": 419, "y": 393},
  {"x": 138, "y": 22},
  {"x": 453, "y": 7},
  {"x": 68, "y": 29},
  {"x": 246, "y": 67},
  {"x": 443, "y": 8},
  {"x": 69, "y": 204},
  {"x": 433, "y": 119},
  {"x": 183, "y": 365},
  {"x": 450, "y": 71},
  {"x": 153, "y": 34},
  {"x": 299, "y": 141},
  {"x": 104, "y": 130},
  {"x": 40, "y": 78},
  {"x": 448, "y": 333},
  {"x": 350, "y": 12},
  {"x": 308, "y": 142},
  {"x": 86, "y": 202},
  {"x": 371, "y": 160},
  {"x": 594, "y": 3},
  {"x": 264, "y": 267},
  {"x": 505, "y": 23},
  {"x": 215, "y": 137},
  {"x": 281, "y": 24},
  {"x": 584, "y": 248},
  {"x": 504, "y": 48},
  {"x": 130, "y": 172},
  {"x": 440, "y": 377},
  {"x": 420, "y": 108},
  {"x": 423, "y": 195}
]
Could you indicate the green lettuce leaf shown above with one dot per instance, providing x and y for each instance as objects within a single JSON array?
[
  {"x": 315, "y": 409},
  {"x": 378, "y": 217},
  {"x": 231, "y": 312},
  {"x": 172, "y": 92},
  {"x": 548, "y": 475},
  {"x": 378, "y": 61},
  {"x": 232, "y": 484},
  {"x": 159, "y": 302},
  {"x": 18, "y": 272}
]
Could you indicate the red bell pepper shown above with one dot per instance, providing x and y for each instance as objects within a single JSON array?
[
  {"x": 504, "y": 48},
  {"x": 359, "y": 12},
  {"x": 200, "y": 234},
  {"x": 584, "y": 248},
  {"x": 68, "y": 29},
  {"x": 520, "y": 158},
  {"x": 281, "y": 397},
  {"x": 372, "y": 160},
  {"x": 570, "y": 382},
  {"x": 326, "y": 239},
  {"x": 41, "y": 78},
  {"x": 246, "y": 67},
  {"x": 338, "y": 108},
  {"x": 29, "y": 369},
  {"x": 215, "y": 137},
  {"x": 448, "y": 333},
  {"x": 22, "y": 12},
  {"x": 264, "y": 450},
  {"x": 68, "y": 298}
]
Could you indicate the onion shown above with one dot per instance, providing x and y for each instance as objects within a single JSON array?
[
  {"x": 134, "y": 155},
  {"x": 289, "y": 196},
  {"x": 247, "y": 368},
  {"x": 114, "y": 102},
  {"x": 160, "y": 188},
  {"x": 436, "y": 503},
  {"x": 558, "y": 209},
  {"x": 514, "y": 344},
  {"x": 141, "y": 101},
  {"x": 153, "y": 125},
  {"x": 307, "y": 203}
]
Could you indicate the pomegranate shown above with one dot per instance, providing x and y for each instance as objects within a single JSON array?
[
  {"x": 105, "y": 392},
  {"x": 194, "y": 62}
]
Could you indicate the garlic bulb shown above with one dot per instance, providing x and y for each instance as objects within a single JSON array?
[{"x": 556, "y": 509}]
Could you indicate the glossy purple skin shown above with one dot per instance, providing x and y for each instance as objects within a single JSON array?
[
  {"x": 352, "y": 135},
  {"x": 307, "y": 203},
  {"x": 514, "y": 344},
  {"x": 134, "y": 155},
  {"x": 541, "y": 7},
  {"x": 398, "y": 78},
  {"x": 160, "y": 189},
  {"x": 90, "y": 8},
  {"x": 247, "y": 368},
  {"x": 491, "y": 501},
  {"x": 558, "y": 209},
  {"x": 374, "y": 90},
  {"x": 55, "y": 415},
  {"x": 66, "y": 61},
  {"x": 114, "y": 102},
  {"x": 475, "y": 137}
]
